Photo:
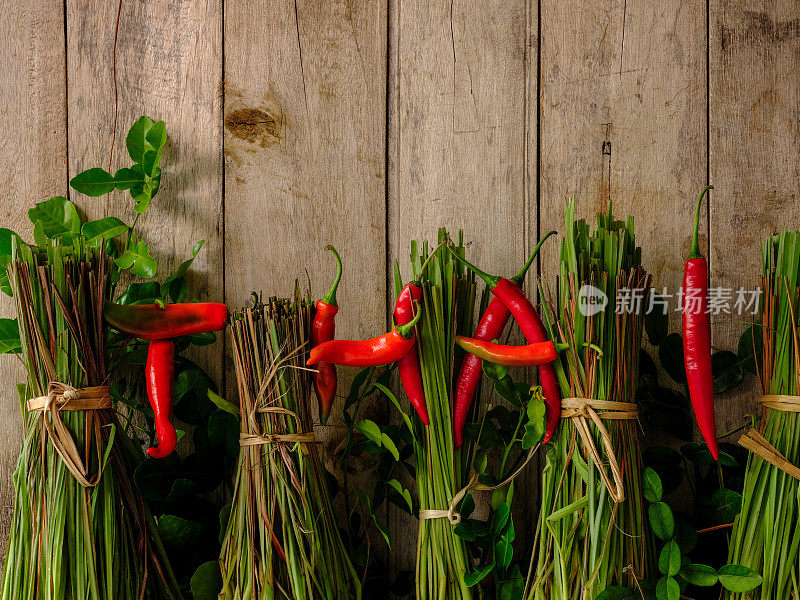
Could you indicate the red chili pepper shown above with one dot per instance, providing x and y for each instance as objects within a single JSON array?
[
  {"x": 489, "y": 328},
  {"x": 323, "y": 329},
  {"x": 512, "y": 356},
  {"x": 157, "y": 322},
  {"x": 697, "y": 337},
  {"x": 160, "y": 323},
  {"x": 159, "y": 373},
  {"x": 408, "y": 366},
  {"x": 512, "y": 296},
  {"x": 384, "y": 349}
]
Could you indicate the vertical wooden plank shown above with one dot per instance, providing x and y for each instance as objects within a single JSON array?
[
  {"x": 33, "y": 154},
  {"x": 169, "y": 66},
  {"x": 457, "y": 143},
  {"x": 305, "y": 142},
  {"x": 623, "y": 113},
  {"x": 754, "y": 116}
]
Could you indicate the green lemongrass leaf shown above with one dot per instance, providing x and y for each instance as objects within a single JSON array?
[
  {"x": 109, "y": 444},
  {"x": 56, "y": 216},
  {"x": 370, "y": 430},
  {"x": 10, "y": 342},
  {"x": 223, "y": 404},
  {"x": 739, "y": 579},
  {"x": 404, "y": 493},
  {"x": 206, "y": 581},
  {"x": 651, "y": 486},
  {"x": 669, "y": 560},
  {"x": 475, "y": 577},
  {"x": 668, "y": 589},
  {"x": 661, "y": 520},
  {"x": 184, "y": 266},
  {"x": 93, "y": 182},
  {"x": 700, "y": 575},
  {"x": 107, "y": 228},
  {"x": 569, "y": 509}
]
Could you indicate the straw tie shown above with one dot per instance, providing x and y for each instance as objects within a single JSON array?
[
  {"x": 581, "y": 410},
  {"x": 256, "y": 439},
  {"x": 451, "y": 514},
  {"x": 758, "y": 445},
  {"x": 62, "y": 396}
]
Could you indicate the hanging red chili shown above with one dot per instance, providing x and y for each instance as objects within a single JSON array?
[
  {"x": 408, "y": 366},
  {"x": 160, "y": 322},
  {"x": 528, "y": 355},
  {"x": 159, "y": 374},
  {"x": 323, "y": 329},
  {"x": 514, "y": 299},
  {"x": 489, "y": 328},
  {"x": 697, "y": 337},
  {"x": 384, "y": 349}
]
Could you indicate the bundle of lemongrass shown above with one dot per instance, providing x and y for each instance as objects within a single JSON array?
[
  {"x": 448, "y": 300},
  {"x": 592, "y": 531},
  {"x": 282, "y": 540},
  {"x": 79, "y": 528},
  {"x": 766, "y": 533}
]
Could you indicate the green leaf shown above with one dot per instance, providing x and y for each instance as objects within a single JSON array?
[
  {"x": 7, "y": 238},
  {"x": 206, "y": 581},
  {"x": 669, "y": 559},
  {"x": 701, "y": 575},
  {"x": 223, "y": 432},
  {"x": 389, "y": 444},
  {"x": 128, "y": 178},
  {"x": 493, "y": 371},
  {"x": 501, "y": 515},
  {"x": 39, "y": 237},
  {"x": 474, "y": 577},
  {"x": 57, "y": 217},
  {"x": 9, "y": 337},
  {"x": 656, "y": 322},
  {"x": 406, "y": 495},
  {"x": 725, "y": 505},
  {"x": 503, "y": 553},
  {"x": 661, "y": 520},
  {"x": 535, "y": 427},
  {"x": 685, "y": 535},
  {"x": 739, "y": 579},
  {"x": 108, "y": 228},
  {"x": 480, "y": 461},
  {"x": 670, "y": 353},
  {"x": 178, "y": 534},
  {"x": 135, "y": 140},
  {"x": 727, "y": 371},
  {"x": 138, "y": 260},
  {"x": 668, "y": 589},
  {"x": 651, "y": 486},
  {"x": 93, "y": 182},
  {"x": 384, "y": 531},
  {"x": 184, "y": 266},
  {"x": 223, "y": 404},
  {"x": 370, "y": 430},
  {"x": 617, "y": 593},
  {"x": 156, "y": 136}
]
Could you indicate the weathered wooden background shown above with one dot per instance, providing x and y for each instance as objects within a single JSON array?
[{"x": 297, "y": 123}]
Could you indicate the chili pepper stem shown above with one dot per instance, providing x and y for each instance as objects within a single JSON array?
[
  {"x": 694, "y": 251},
  {"x": 519, "y": 277},
  {"x": 330, "y": 297},
  {"x": 406, "y": 330},
  {"x": 491, "y": 280},
  {"x": 560, "y": 346}
]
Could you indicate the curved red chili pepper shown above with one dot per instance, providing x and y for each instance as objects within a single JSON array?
[
  {"x": 528, "y": 355},
  {"x": 161, "y": 322},
  {"x": 697, "y": 337},
  {"x": 323, "y": 329},
  {"x": 489, "y": 328},
  {"x": 514, "y": 299},
  {"x": 408, "y": 366},
  {"x": 159, "y": 374},
  {"x": 384, "y": 349}
]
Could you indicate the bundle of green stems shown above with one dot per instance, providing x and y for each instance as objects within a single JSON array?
[
  {"x": 70, "y": 539},
  {"x": 281, "y": 540},
  {"x": 448, "y": 301},
  {"x": 766, "y": 533},
  {"x": 585, "y": 541}
]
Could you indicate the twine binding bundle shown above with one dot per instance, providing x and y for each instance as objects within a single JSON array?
[{"x": 756, "y": 443}]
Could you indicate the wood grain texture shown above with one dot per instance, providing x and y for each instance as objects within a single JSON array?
[
  {"x": 754, "y": 112},
  {"x": 457, "y": 143},
  {"x": 623, "y": 113},
  {"x": 169, "y": 66},
  {"x": 33, "y": 152}
]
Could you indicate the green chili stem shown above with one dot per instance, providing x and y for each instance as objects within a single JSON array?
[
  {"x": 406, "y": 329},
  {"x": 519, "y": 277},
  {"x": 491, "y": 280},
  {"x": 694, "y": 251},
  {"x": 330, "y": 297}
]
